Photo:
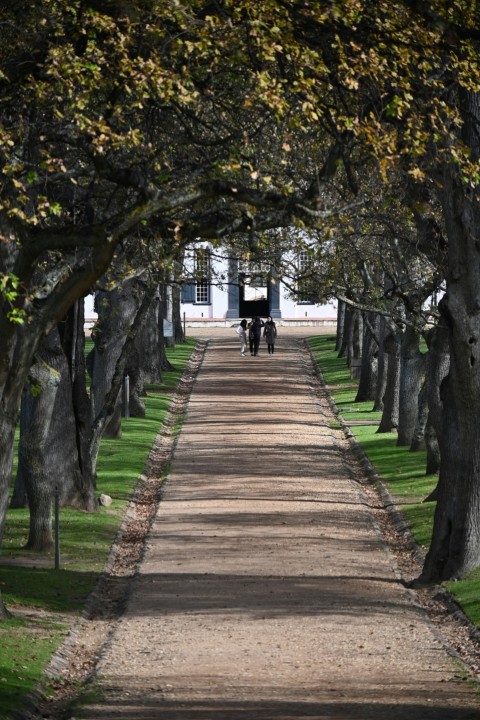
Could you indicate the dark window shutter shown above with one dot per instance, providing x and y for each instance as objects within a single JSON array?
[{"x": 188, "y": 293}]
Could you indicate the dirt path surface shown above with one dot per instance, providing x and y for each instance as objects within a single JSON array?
[{"x": 266, "y": 590}]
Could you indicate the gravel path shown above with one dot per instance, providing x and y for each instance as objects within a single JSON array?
[{"x": 266, "y": 589}]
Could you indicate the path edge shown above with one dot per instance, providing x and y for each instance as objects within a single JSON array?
[
  {"x": 35, "y": 706},
  {"x": 440, "y": 594}
]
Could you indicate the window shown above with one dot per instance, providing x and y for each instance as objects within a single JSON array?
[
  {"x": 202, "y": 292},
  {"x": 253, "y": 268},
  {"x": 202, "y": 275},
  {"x": 304, "y": 289}
]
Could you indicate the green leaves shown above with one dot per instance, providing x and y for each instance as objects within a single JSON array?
[{"x": 9, "y": 292}]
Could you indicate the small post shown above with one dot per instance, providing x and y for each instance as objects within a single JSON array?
[
  {"x": 56, "y": 495},
  {"x": 184, "y": 328},
  {"x": 126, "y": 396}
]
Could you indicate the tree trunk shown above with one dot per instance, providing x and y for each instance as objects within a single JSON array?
[
  {"x": 168, "y": 314},
  {"x": 165, "y": 364},
  {"x": 389, "y": 420},
  {"x": 178, "y": 331},
  {"x": 73, "y": 342},
  {"x": 418, "y": 437},
  {"x": 369, "y": 367},
  {"x": 340, "y": 324},
  {"x": 7, "y": 433},
  {"x": 455, "y": 546},
  {"x": 382, "y": 367},
  {"x": 122, "y": 314},
  {"x": 437, "y": 369},
  {"x": 116, "y": 311},
  {"x": 347, "y": 335},
  {"x": 357, "y": 340},
  {"x": 433, "y": 449},
  {"x": 66, "y": 441},
  {"x": 38, "y": 405},
  {"x": 412, "y": 363},
  {"x": 144, "y": 361}
]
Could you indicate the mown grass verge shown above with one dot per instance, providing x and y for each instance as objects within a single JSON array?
[
  {"x": 402, "y": 471},
  {"x": 44, "y": 601}
]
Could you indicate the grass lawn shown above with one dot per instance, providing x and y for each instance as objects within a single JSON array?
[
  {"x": 43, "y": 600},
  {"x": 402, "y": 471}
]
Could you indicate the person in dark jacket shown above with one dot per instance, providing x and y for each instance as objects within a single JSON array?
[
  {"x": 250, "y": 336},
  {"x": 255, "y": 334},
  {"x": 270, "y": 334}
]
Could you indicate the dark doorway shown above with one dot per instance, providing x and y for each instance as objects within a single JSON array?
[{"x": 254, "y": 296}]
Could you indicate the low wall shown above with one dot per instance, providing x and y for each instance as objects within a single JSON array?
[{"x": 281, "y": 322}]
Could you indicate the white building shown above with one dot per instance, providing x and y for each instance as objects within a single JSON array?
[{"x": 223, "y": 290}]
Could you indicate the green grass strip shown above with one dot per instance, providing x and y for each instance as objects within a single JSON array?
[
  {"x": 402, "y": 471},
  {"x": 45, "y": 601}
]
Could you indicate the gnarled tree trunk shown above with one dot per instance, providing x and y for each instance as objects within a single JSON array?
[
  {"x": 455, "y": 546},
  {"x": 382, "y": 367},
  {"x": 391, "y": 346},
  {"x": 412, "y": 364},
  {"x": 122, "y": 313},
  {"x": 340, "y": 324},
  {"x": 65, "y": 451},
  {"x": 345, "y": 349},
  {"x": 418, "y": 437},
  {"x": 37, "y": 412},
  {"x": 144, "y": 361},
  {"x": 437, "y": 369},
  {"x": 369, "y": 367}
]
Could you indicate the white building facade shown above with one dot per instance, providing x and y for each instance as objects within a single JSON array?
[{"x": 221, "y": 290}]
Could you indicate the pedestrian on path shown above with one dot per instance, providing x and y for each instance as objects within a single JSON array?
[
  {"x": 255, "y": 334},
  {"x": 270, "y": 334},
  {"x": 242, "y": 334}
]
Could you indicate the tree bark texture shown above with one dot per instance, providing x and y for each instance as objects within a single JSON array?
[
  {"x": 382, "y": 367},
  {"x": 369, "y": 367},
  {"x": 64, "y": 455},
  {"x": 340, "y": 325},
  {"x": 437, "y": 370},
  {"x": 144, "y": 364},
  {"x": 433, "y": 449},
  {"x": 116, "y": 311},
  {"x": 357, "y": 336},
  {"x": 412, "y": 365},
  {"x": 455, "y": 546},
  {"x": 38, "y": 404},
  {"x": 418, "y": 437},
  {"x": 72, "y": 336},
  {"x": 389, "y": 420},
  {"x": 178, "y": 331},
  {"x": 347, "y": 335},
  {"x": 121, "y": 314}
]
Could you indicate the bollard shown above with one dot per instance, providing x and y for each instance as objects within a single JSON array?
[
  {"x": 56, "y": 495},
  {"x": 126, "y": 397}
]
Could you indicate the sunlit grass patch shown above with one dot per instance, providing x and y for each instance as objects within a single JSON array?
[{"x": 26, "y": 645}]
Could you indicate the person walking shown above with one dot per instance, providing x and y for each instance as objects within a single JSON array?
[
  {"x": 255, "y": 334},
  {"x": 270, "y": 334},
  {"x": 250, "y": 336},
  {"x": 242, "y": 334}
]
